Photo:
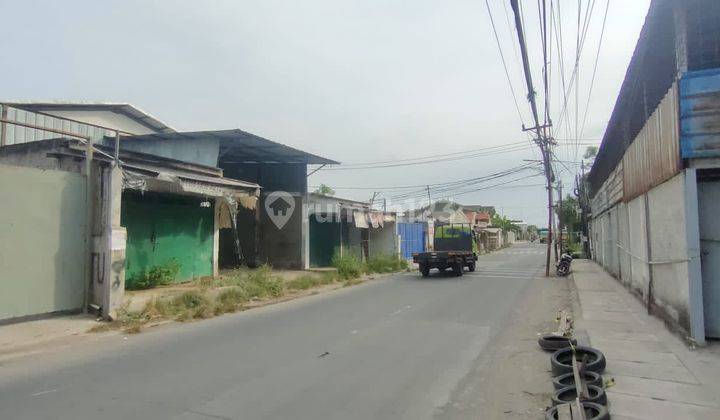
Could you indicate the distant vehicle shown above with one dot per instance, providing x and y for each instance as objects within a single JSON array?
[
  {"x": 454, "y": 247},
  {"x": 542, "y": 235}
]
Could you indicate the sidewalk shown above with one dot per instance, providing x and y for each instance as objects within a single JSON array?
[
  {"x": 25, "y": 338},
  {"x": 656, "y": 375}
]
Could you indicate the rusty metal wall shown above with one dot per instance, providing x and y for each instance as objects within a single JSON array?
[{"x": 654, "y": 155}]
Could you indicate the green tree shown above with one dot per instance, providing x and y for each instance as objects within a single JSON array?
[
  {"x": 503, "y": 223},
  {"x": 590, "y": 153},
  {"x": 570, "y": 214},
  {"x": 323, "y": 189}
]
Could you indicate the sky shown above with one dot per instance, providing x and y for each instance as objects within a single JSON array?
[{"x": 354, "y": 81}]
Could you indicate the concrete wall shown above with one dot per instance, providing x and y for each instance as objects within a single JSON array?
[
  {"x": 42, "y": 241},
  {"x": 650, "y": 244},
  {"x": 383, "y": 241}
]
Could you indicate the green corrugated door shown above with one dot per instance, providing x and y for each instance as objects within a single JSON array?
[
  {"x": 161, "y": 227},
  {"x": 324, "y": 240}
]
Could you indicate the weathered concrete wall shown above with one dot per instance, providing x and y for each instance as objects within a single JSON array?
[
  {"x": 669, "y": 249},
  {"x": 42, "y": 241},
  {"x": 650, "y": 244},
  {"x": 383, "y": 241},
  {"x": 637, "y": 248}
]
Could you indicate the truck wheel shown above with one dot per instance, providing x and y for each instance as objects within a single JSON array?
[
  {"x": 424, "y": 270},
  {"x": 471, "y": 266},
  {"x": 458, "y": 269}
]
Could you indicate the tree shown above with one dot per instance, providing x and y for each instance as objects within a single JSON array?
[
  {"x": 590, "y": 153},
  {"x": 323, "y": 189},
  {"x": 503, "y": 223},
  {"x": 570, "y": 215}
]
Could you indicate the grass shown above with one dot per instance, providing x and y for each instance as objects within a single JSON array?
[
  {"x": 348, "y": 266},
  {"x": 230, "y": 293},
  {"x": 158, "y": 275}
]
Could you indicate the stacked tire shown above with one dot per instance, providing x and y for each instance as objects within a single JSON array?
[{"x": 564, "y": 380}]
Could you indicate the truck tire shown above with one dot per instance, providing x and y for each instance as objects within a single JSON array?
[
  {"x": 592, "y": 412},
  {"x": 425, "y": 270},
  {"x": 553, "y": 342},
  {"x": 568, "y": 379},
  {"x": 561, "y": 360},
  {"x": 457, "y": 269},
  {"x": 471, "y": 266},
  {"x": 569, "y": 394}
]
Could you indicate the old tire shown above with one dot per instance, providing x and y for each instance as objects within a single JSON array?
[
  {"x": 568, "y": 379},
  {"x": 592, "y": 412},
  {"x": 561, "y": 360},
  {"x": 471, "y": 266},
  {"x": 569, "y": 394},
  {"x": 555, "y": 342},
  {"x": 457, "y": 269},
  {"x": 425, "y": 270}
]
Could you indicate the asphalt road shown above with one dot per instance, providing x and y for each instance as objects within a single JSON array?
[{"x": 397, "y": 347}]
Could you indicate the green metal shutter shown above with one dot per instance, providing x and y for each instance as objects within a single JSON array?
[{"x": 161, "y": 227}]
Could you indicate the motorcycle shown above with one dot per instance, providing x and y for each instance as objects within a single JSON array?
[{"x": 562, "y": 268}]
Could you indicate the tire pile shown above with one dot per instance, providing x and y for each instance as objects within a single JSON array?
[{"x": 593, "y": 365}]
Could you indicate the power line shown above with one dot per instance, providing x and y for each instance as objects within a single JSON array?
[
  {"x": 597, "y": 57},
  {"x": 439, "y": 188},
  {"x": 434, "y": 156},
  {"x": 502, "y": 58},
  {"x": 507, "y": 149}
]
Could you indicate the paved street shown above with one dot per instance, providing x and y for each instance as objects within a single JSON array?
[{"x": 398, "y": 347}]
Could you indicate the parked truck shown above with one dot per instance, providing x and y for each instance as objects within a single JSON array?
[{"x": 454, "y": 247}]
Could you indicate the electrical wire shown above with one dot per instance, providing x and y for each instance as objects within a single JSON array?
[
  {"x": 595, "y": 67},
  {"x": 509, "y": 149}
]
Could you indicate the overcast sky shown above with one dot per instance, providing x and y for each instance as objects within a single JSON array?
[{"x": 355, "y": 81}]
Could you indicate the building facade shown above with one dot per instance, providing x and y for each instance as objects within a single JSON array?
[{"x": 654, "y": 186}]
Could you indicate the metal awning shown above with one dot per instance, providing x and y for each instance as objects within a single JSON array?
[{"x": 237, "y": 146}]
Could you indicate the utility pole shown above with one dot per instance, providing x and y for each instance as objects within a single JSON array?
[
  {"x": 429, "y": 200},
  {"x": 542, "y": 139},
  {"x": 560, "y": 220}
]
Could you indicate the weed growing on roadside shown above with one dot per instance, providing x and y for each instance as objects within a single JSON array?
[
  {"x": 348, "y": 266},
  {"x": 158, "y": 275}
]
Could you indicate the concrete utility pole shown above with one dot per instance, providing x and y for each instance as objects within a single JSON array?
[
  {"x": 560, "y": 220},
  {"x": 542, "y": 139}
]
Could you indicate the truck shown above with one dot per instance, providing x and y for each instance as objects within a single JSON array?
[{"x": 454, "y": 247}]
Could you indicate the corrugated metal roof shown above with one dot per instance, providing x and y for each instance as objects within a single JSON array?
[
  {"x": 651, "y": 72},
  {"x": 237, "y": 146}
]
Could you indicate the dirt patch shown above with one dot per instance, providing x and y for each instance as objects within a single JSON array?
[{"x": 512, "y": 379}]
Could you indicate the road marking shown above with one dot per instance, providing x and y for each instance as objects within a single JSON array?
[{"x": 37, "y": 394}]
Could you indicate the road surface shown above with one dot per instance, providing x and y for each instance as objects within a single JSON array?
[{"x": 397, "y": 347}]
